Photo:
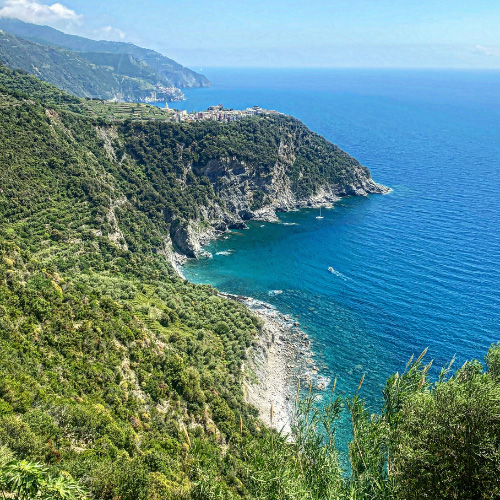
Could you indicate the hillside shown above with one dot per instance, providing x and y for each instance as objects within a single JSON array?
[
  {"x": 207, "y": 177},
  {"x": 123, "y": 64},
  {"x": 118, "y": 353},
  {"x": 251, "y": 168},
  {"x": 127, "y": 377},
  {"x": 168, "y": 71},
  {"x": 109, "y": 371},
  {"x": 70, "y": 72},
  {"x": 80, "y": 75}
]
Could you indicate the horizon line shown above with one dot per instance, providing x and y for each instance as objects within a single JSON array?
[{"x": 402, "y": 68}]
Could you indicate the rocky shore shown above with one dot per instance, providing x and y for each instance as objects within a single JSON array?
[
  {"x": 237, "y": 185},
  {"x": 282, "y": 355},
  {"x": 188, "y": 241}
]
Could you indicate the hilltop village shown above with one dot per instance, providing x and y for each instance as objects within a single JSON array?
[
  {"x": 221, "y": 114},
  {"x": 127, "y": 110}
]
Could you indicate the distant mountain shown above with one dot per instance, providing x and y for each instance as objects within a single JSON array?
[
  {"x": 125, "y": 65},
  {"x": 171, "y": 73},
  {"x": 78, "y": 74}
]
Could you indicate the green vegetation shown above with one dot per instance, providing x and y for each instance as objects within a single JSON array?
[
  {"x": 118, "y": 373},
  {"x": 23, "y": 480},
  {"x": 437, "y": 440},
  {"x": 252, "y": 142},
  {"x": 81, "y": 74},
  {"x": 124, "y": 64},
  {"x": 18, "y": 83},
  {"x": 116, "y": 111},
  {"x": 126, "y": 59}
]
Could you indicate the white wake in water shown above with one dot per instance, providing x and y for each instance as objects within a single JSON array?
[
  {"x": 225, "y": 252},
  {"x": 339, "y": 274}
]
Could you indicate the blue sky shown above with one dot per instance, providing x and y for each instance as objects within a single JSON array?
[{"x": 288, "y": 33}]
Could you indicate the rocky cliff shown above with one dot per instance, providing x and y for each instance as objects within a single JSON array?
[
  {"x": 253, "y": 168},
  {"x": 169, "y": 188},
  {"x": 237, "y": 186}
]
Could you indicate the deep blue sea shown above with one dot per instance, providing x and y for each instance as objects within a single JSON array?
[{"x": 416, "y": 268}]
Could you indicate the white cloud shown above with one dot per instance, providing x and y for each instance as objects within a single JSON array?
[
  {"x": 32, "y": 11},
  {"x": 58, "y": 16},
  {"x": 489, "y": 51}
]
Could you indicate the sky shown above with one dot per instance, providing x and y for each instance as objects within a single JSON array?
[{"x": 287, "y": 33}]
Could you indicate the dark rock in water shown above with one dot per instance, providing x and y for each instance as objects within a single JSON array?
[
  {"x": 221, "y": 226},
  {"x": 238, "y": 225}
]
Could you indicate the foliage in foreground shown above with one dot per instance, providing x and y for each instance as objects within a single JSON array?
[
  {"x": 431, "y": 440},
  {"x": 23, "y": 480},
  {"x": 436, "y": 440}
]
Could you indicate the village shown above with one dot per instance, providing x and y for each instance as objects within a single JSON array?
[
  {"x": 221, "y": 114},
  {"x": 162, "y": 93}
]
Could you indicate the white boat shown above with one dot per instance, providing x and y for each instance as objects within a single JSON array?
[
  {"x": 331, "y": 270},
  {"x": 319, "y": 216}
]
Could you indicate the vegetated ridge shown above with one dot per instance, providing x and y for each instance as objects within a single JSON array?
[
  {"x": 73, "y": 73},
  {"x": 96, "y": 69},
  {"x": 120, "y": 374}
]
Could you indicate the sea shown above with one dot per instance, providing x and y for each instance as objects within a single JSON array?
[{"x": 417, "y": 268}]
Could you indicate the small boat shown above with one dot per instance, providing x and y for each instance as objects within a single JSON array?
[
  {"x": 331, "y": 270},
  {"x": 319, "y": 216}
]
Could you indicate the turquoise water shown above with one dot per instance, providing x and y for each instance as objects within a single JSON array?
[{"x": 416, "y": 268}]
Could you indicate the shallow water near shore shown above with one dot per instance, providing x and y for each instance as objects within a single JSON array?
[{"x": 415, "y": 268}]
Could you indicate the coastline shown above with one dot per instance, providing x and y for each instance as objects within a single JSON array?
[
  {"x": 280, "y": 357},
  {"x": 190, "y": 239},
  {"x": 282, "y": 354}
]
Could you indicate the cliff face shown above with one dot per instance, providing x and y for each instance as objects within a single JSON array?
[
  {"x": 237, "y": 186},
  {"x": 246, "y": 188},
  {"x": 188, "y": 183}
]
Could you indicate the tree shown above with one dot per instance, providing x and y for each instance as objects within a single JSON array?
[{"x": 436, "y": 440}]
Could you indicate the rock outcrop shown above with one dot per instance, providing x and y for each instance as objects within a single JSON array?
[
  {"x": 237, "y": 185},
  {"x": 211, "y": 176}
]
